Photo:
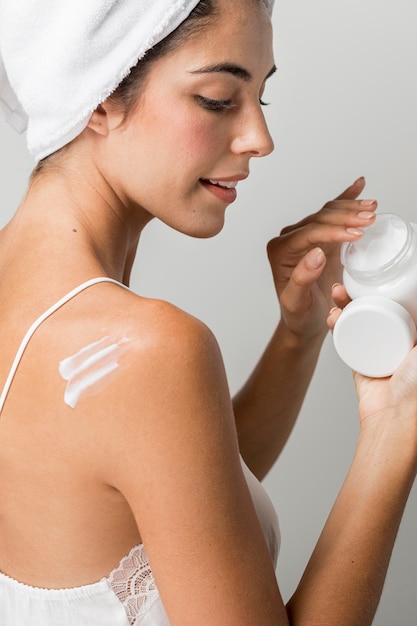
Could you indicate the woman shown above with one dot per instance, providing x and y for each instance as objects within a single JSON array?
[{"x": 117, "y": 429}]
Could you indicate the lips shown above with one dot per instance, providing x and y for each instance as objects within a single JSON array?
[{"x": 223, "y": 190}]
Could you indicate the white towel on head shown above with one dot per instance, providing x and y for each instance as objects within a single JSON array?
[{"x": 60, "y": 58}]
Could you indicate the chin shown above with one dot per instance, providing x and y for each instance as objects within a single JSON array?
[
  {"x": 205, "y": 231},
  {"x": 199, "y": 228}
]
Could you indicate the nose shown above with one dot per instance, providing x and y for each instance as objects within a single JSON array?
[{"x": 252, "y": 136}]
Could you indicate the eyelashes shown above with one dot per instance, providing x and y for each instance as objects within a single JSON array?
[
  {"x": 215, "y": 105},
  {"x": 220, "y": 105}
]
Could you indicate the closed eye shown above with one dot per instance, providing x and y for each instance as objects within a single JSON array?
[{"x": 214, "y": 105}]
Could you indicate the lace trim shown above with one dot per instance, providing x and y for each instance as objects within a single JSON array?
[{"x": 134, "y": 585}]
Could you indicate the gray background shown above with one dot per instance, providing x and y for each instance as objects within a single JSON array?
[{"x": 344, "y": 104}]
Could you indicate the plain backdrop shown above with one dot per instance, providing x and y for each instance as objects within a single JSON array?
[{"x": 343, "y": 104}]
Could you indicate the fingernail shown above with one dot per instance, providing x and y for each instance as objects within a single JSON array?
[
  {"x": 366, "y": 215},
  {"x": 368, "y": 203},
  {"x": 335, "y": 285},
  {"x": 360, "y": 179},
  {"x": 315, "y": 258},
  {"x": 335, "y": 308},
  {"x": 354, "y": 231}
]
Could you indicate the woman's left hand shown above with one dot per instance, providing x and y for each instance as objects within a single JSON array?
[{"x": 305, "y": 259}]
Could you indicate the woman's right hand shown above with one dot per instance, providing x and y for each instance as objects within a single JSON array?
[{"x": 379, "y": 396}]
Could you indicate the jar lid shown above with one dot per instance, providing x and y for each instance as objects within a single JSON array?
[
  {"x": 381, "y": 249},
  {"x": 373, "y": 335}
]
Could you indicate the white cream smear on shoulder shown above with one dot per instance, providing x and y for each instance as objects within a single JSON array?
[{"x": 89, "y": 370}]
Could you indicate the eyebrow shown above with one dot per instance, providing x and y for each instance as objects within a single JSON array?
[{"x": 231, "y": 68}]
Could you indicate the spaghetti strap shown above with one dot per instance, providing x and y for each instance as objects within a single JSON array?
[{"x": 38, "y": 322}]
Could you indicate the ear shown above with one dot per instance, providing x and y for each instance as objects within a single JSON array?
[{"x": 103, "y": 119}]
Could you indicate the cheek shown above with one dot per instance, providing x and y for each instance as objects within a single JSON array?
[
  {"x": 193, "y": 135},
  {"x": 204, "y": 139}
]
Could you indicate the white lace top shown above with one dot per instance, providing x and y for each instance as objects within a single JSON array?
[{"x": 128, "y": 596}]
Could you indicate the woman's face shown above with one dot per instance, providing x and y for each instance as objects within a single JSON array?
[{"x": 198, "y": 123}]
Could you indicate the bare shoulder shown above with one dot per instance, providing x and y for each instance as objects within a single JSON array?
[
  {"x": 170, "y": 384},
  {"x": 165, "y": 357},
  {"x": 151, "y": 327},
  {"x": 118, "y": 349},
  {"x": 163, "y": 336},
  {"x": 172, "y": 355}
]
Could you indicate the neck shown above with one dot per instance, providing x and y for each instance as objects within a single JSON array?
[{"x": 78, "y": 216}]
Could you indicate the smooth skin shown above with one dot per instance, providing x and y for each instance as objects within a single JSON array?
[{"x": 154, "y": 457}]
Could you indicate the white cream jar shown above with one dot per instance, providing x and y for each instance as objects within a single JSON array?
[{"x": 377, "y": 329}]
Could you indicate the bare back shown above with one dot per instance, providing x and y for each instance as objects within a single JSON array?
[{"x": 57, "y": 510}]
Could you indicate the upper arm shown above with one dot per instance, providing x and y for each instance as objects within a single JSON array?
[{"x": 176, "y": 461}]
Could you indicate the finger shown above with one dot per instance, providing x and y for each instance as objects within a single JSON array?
[
  {"x": 353, "y": 191},
  {"x": 350, "y": 193},
  {"x": 312, "y": 235},
  {"x": 359, "y": 213},
  {"x": 340, "y": 295},
  {"x": 333, "y": 316},
  {"x": 304, "y": 275}
]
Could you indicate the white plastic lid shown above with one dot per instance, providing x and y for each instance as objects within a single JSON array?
[{"x": 373, "y": 335}]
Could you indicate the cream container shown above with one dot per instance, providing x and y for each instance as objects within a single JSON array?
[{"x": 376, "y": 331}]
